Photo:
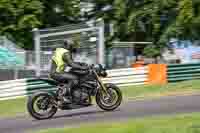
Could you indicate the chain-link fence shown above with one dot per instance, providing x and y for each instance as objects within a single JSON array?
[
  {"x": 88, "y": 38},
  {"x": 125, "y": 54}
]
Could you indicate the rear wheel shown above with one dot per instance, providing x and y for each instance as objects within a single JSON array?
[
  {"x": 113, "y": 101},
  {"x": 40, "y": 106}
]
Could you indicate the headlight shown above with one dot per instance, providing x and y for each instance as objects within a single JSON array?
[
  {"x": 101, "y": 70},
  {"x": 99, "y": 66}
]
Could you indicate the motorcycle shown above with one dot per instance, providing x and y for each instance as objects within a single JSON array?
[{"x": 44, "y": 105}]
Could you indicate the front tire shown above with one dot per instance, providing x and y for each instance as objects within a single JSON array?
[
  {"x": 106, "y": 105},
  {"x": 33, "y": 100}
]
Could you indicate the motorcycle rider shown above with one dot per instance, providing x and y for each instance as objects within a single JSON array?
[{"x": 61, "y": 66}]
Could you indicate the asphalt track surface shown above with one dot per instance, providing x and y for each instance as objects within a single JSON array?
[{"x": 132, "y": 109}]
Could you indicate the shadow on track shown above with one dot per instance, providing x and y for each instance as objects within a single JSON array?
[
  {"x": 83, "y": 113},
  {"x": 79, "y": 114}
]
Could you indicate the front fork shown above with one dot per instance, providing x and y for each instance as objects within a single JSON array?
[{"x": 104, "y": 89}]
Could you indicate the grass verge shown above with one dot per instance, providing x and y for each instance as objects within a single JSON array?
[
  {"x": 162, "y": 90},
  {"x": 187, "y": 123},
  {"x": 10, "y": 108},
  {"x": 15, "y": 107}
]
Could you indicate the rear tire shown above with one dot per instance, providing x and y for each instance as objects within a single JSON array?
[
  {"x": 100, "y": 100},
  {"x": 34, "y": 113}
]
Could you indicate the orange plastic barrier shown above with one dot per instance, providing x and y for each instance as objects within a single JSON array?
[
  {"x": 157, "y": 74},
  {"x": 138, "y": 64}
]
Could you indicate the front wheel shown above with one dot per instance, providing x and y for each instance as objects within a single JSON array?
[{"x": 113, "y": 101}]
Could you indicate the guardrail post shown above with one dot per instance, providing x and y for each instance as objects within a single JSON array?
[
  {"x": 101, "y": 46},
  {"x": 37, "y": 50}
]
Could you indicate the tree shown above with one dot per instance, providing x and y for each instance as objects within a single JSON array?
[
  {"x": 151, "y": 51},
  {"x": 17, "y": 19},
  {"x": 153, "y": 20},
  {"x": 134, "y": 20},
  {"x": 62, "y": 12}
]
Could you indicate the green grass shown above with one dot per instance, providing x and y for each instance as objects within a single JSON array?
[
  {"x": 10, "y": 108},
  {"x": 185, "y": 123},
  {"x": 152, "y": 90},
  {"x": 15, "y": 107}
]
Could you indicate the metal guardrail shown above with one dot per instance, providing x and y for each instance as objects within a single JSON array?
[
  {"x": 13, "y": 89},
  {"x": 19, "y": 88},
  {"x": 126, "y": 77},
  {"x": 181, "y": 72}
]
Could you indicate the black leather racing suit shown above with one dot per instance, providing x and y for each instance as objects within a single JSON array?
[{"x": 66, "y": 77}]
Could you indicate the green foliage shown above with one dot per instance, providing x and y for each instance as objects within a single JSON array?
[
  {"x": 151, "y": 51},
  {"x": 154, "y": 20},
  {"x": 60, "y": 12},
  {"x": 19, "y": 17},
  {"x": 134, "y": 20}
]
